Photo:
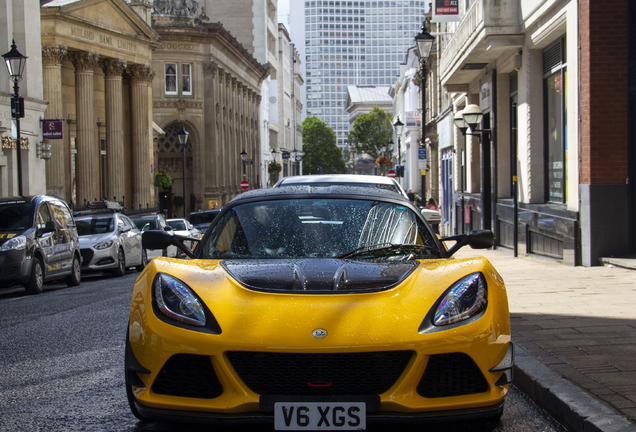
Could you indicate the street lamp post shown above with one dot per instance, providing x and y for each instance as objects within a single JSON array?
[
  {"x": 15, "y": 65},
  {"x": 244, "y": 160},
  {"x": 424, "y": 43},
  {"x": 183, "y": 140},
  {"x": 398, "y": 125},
  {"x": 470, "y": 118}
]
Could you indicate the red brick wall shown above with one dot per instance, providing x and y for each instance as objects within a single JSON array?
[{"x": 604, "y": 96}]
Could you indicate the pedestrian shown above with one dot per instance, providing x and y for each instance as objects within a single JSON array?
[
  {"x": 411, "y": 196},
  {"x": 432, "y": 205}
]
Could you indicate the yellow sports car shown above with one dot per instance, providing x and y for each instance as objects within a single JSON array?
[{"x": 318, "y": 308}]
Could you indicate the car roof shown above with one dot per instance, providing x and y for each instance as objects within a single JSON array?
[
  {"x": 309, "y": 191},
  {"x": 335, "y": 178}
]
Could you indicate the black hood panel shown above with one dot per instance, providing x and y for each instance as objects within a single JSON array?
[{"x": 318, "y": 275}]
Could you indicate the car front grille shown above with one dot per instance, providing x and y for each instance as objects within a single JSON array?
[
  {"x": 319, "y": 374},
  {"x": 454, "y": 374},
  {"x": 188, "y": 375},
  {"x": 87, "y": 256}
]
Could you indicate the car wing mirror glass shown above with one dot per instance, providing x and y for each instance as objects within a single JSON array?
[
  {"x": 125, "y": 229},
  {"x": 167, "y": 228},
  {"x": 48, "y": 227}
]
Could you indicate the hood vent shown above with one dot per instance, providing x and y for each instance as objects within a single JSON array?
[{"x": 318, "y": 275}]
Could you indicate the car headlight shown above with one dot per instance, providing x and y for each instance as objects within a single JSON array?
[
  {"x": 177, "y": 301},
  {"x": 16, "y": 243},
  {"x": 104, "y": 245},
  {"x": 466, "y": 298}
]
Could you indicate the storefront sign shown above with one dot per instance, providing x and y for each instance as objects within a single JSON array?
[
  {"x": 446, "y": 11},
  {"x": 413, "y": 119},
  {"x": 52, "y": 129}
]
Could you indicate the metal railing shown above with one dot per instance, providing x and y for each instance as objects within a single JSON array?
[{"x": 467, "y": 29}]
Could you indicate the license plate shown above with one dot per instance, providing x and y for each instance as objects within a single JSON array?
[{"x": 320, "y": 416}]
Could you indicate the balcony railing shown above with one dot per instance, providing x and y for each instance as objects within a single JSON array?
[
  {"x": 483, "y": 19},
  {"x": 466, "y": 30}
]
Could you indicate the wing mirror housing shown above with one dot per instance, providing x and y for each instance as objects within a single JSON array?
[
  {"x": 476, "y": 239},
  {"x": 159, "y": 239},
  {"x": 49, "y": 227}
]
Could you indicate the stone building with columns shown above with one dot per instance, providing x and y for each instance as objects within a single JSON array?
[
  {"x": 97, "y": 76},
  {"x": 209, "y": 84}
]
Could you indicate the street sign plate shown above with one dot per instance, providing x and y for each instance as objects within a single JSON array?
[
  {"x": 391, "y": 173},
  {"x": 245, "y": 185}
]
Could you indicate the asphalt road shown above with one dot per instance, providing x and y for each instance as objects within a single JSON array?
[{"x": 61, "y": 366}]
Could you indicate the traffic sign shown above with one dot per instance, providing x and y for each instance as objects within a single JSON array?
[
  {"x": 245, "y": 185},
  {"x": 390, "y": 173}
]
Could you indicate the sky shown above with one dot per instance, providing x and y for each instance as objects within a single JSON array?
[{"x": 283, "y": 11}]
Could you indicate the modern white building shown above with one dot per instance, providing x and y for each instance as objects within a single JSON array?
[{"x": 350, "y": 43}]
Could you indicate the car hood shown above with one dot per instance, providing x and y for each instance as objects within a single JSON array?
[
  {"x": 329, "y": 274},
  {"x": 93, "y": 239}
]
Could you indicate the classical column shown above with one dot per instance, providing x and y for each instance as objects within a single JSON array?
[
  {"x": 113, "y": 69},
  {"x": 141, "y": 158},
  {"x": 87, "y": 158},
  {"x": 210, "y": 163},
  {"x": 58, "y": 165}
]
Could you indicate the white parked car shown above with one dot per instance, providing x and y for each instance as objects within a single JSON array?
[{"x": 183, "y": 227}]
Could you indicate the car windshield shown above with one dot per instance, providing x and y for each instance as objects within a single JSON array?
[
  {"x": 146, "y": 223},
  {"x": 94, "y": 225},
  {"x": 177, "y": 225},
  {"x": 319, "y": 228},
  {"x": 16, "y": 216}
]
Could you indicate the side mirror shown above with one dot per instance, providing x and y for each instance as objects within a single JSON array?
[
  {"x": 158, "y": 239},
  {"x": 49, "y": 227},
  {"x": 476, "y": 239},
  {"x": 125, "y": 229},
  {"x": 167, "y": 228}
]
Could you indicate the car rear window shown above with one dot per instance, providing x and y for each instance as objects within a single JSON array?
[
  {"x": 94, "y": 226},
  {"x": 177, "y": 225}
]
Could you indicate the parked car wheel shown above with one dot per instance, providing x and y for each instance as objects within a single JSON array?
[
  {"x": 75, "y": 277},
  {"x": 144, "y": 261},
  {"x": 36, "y": 283},
  {"x": 121, "y": 264}
]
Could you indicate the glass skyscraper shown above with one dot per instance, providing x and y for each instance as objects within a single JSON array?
[{"x": 349, "y": 43}]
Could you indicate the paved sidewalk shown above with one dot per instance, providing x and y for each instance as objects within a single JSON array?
[{"x": 575, "y": 333}]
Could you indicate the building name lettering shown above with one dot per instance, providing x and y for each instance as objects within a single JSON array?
[
  {"x": 103, "y": 39},
  {"x": 179, "y": 46}
]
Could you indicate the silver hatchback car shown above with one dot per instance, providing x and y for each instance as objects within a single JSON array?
[{"x": 110, "y": 242}]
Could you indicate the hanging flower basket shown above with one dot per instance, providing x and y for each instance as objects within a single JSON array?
[
  {"x": 162, "y": 179},
  {"x": 383, "y": 160},
  {"x": 274, "y": 167}
]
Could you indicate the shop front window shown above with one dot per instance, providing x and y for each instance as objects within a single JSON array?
[{"x": 555, "y": 92}]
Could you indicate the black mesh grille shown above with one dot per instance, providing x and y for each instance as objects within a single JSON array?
[
  {"x": 188, "y": 375},
  {"x": 87, "y": 256},
  {"x": 453, "y": 374},
  {"x": 319, "y": 374}
]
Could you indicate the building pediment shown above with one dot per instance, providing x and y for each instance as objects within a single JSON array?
[{"x": 110, "y": 16}]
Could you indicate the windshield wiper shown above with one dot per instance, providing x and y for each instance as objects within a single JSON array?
[{"x": 384, "y": 247}]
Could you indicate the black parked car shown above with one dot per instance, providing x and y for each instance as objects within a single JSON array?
[
  {"x": 203, "y": 218},
  {"x": 38, "y": 243}
]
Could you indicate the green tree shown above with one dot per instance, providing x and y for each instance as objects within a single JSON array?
[
  {"x": 370, "y": 131},
  {"x": 322, "y": 155}
]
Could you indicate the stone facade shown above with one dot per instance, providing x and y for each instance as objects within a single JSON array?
[
  {"x": 97, "y": 76},
  {"x": 210, "y": 85}
]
